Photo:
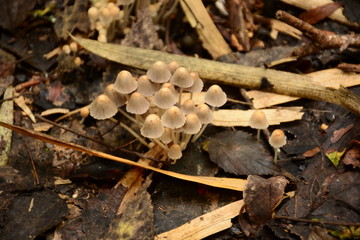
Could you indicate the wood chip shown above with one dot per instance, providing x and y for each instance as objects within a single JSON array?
[{"x": 20, "y": 101}]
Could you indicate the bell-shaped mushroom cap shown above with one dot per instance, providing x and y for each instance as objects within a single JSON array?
[
  {"x": 173, "y": 118},
  {"x": 192, "y": 125},
  {"x": 258, "y": 120},
  {"x": 118, "y": 98},
  {"x": 137, "y": 104},
  {"x": 182, "y": 78},
  {"x": 93, "y": 14},
  {"x": 84, "y": 112},
  {"x": 188, "y": 106},
  {"x": 204, "y": 113},
  {"x": 198, "y": 85},
  {"x": 173, "y": 66},
  {"x": 102, "y": 108},
  {"x": 175, "y": 152},
  {"x": 105, "y": 16},
  {"x": 215, "y": 96},
  {"x": 159, "y": 72},
  {"x": 152, "y": 127},
  {"x": 277, "y": 138},
  {"x": 171, "y": 87},
  {"x": 166, "y": 137},
  {"x": 125, "y": 83},
  {"x": 146, "y": 87},
  {"x": 164, "y": 98}
]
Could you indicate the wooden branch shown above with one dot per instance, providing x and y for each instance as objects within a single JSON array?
[{"x": 230, "y": 74}]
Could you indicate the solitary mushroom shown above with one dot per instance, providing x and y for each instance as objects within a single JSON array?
[
  {"x": 277, "y": 140},
  {"x": 258, "y": 121}
]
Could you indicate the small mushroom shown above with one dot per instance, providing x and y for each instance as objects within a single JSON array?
[
  {"x": 173, "y": 118},
  {"x": 192, "y": 124},
  {"x": 137, "y": 104},
  {"x": 159, "y": 72},
  {"x": 175, "y": 152},
  {"x": 152, "y": 127},
  {"x": 215, "y": 96},
  {"x": 258, "y": 121},
  {"x": 102, "y": 108},
  {"x": 146, "y": 87},
  {"x": 188, "y": 106},
  {"x": 164, "y": 98},
  {"x": 277, "y": 140},
  {"x": 118, "y": 98},
  {"x": 125, "y": 82}
]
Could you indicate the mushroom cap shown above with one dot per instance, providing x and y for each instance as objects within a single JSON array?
[
  {"x": 188, "y": 106},
  {"x": 277, "y": 138},
  {"x": 204, "y": 113},
  {"x": 84, "y": 112},
  {"x": 159, "y": 72},
  {"x": 192, "y": 125},
  {"x": 146, "y": 87},
  {"x": 166, "y": 137},
  {"x": 105, "y": 16},
  {"x": 118, "y": 98},
  {"x": 173, "y": 66},
  {"x": 198, "y": 85},
  {"x": 173, "y": 118},
  {"x": 152, "y": 127},
  {"x": 215, "y": 96},
  {"x": 102, "y": 108},
  {"x": 125, "y": 83},
  {"x": 174, "y": 152},
  {"x": 258, "y": 120},
  {"x": 93, "y": 13},
  {"x": 137, "y": 104},
  {"x": 182, "y": 78},
  {"x": 164, "y": 98}
]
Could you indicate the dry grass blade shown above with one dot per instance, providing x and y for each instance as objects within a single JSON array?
[
  {"x": 228, "y": 183},
  {"x": 285, "y": 83}
]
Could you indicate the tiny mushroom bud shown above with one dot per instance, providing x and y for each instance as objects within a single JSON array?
[
  {"x": 175, "y": 152},
  {"x": 66, "y": 49},
  {"x": 277, "y": 140},
  {"x": 146, "y": 87},
  {"x": 93, "y": 14},
  {"x": 137, "y": 104},
  {"x": 118, "y": 98},
  {"x": 182, "y": 78},
  {"x": 84, "y": 112},
  {"x": 204, "y": 113},
  {"x": 215, "y": 96},
  {"x": 102, "y": 108},
  {"x": 258, "y": 121},
  {"x": 188, "y": 106},
  {"x": 192, "y": 124},
  {"x": 125, "y": 82},
  {"x": 159, "y": 72},
  {"x": 164, "y": 98},
  {"x": 73, "y": 46},
  {"x": 78, "y": 61},
  {"x": 173, "y": 118},
  {"x": 105, "y": 16},
  {"x": 152, "y": 127}
]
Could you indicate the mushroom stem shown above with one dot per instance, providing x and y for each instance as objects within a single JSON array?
[
  {"x": 173, "y": 136},
  {"x": 276, "y": 150},
  {"x": 258, "y": 134},
  {"x": 180, "y": 94},
  {"x": 163, "y": 146},
  {"x": 128, "y": 116},
  {"x": 199, "y": 133},
  {"x": 185, "y": 141},
  {"x": 132, "y": 132}
]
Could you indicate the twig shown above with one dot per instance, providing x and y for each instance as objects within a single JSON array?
[
  {"x": 33, "y": 168},
  {"x": 280, "y": 82},
  {"x": 321, "y": 38},
  {"x": 348, "y": 67},
  {"x": 317, "y": 221}
]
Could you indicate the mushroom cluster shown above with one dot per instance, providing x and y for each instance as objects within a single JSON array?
[
  {"x": 103, "y": 14},
  {"x": 156, "y": 100}
]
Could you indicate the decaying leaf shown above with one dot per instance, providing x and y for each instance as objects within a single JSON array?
[
  {"x": 352, "y": 156},
  {"x": 239, "y": 153},
  {"x": 137, "y": 220},
  {"x": 261, "y": 196},
  {"x": 14, "y": 12},
  {"x": 237, "y": 118},
  {"x": 317, "y": 14},
  {"x": 6, "y": 115}
]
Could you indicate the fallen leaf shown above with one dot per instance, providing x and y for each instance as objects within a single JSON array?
[
  {"x": 15, "y": 12},
  {"x": 20, "y": 101},
  {"x": 261, "y": 196},
  {"x": 54, "y": 111},
  {"x": 240, "y": 153},
  {"x": 337, "y": 134},
  {"x": 317, "y": 14},
  {"x": 6, "y": 115},
  {"x": 311, "y": 152},
  {"x": 352, "y": 156},
  {"x": 335, "y": 157}
]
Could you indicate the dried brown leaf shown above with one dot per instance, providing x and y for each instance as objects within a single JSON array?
[{"x": 317, "y": 14}]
